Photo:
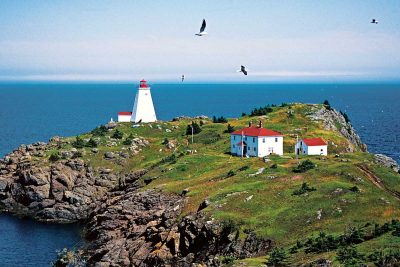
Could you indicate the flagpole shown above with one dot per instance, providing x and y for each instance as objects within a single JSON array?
[{"x": 242, "y": 145}]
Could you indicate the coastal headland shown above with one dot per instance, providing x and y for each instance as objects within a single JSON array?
[{"x": 150, "y": 196}]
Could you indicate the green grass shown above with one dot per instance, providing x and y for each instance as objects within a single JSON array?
[{"x": 273, "y": 212}]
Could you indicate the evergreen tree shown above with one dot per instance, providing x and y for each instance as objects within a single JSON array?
[
  {"x": 91, "y": 143},
  {"x": 277, "y": 257},
  {"x": 78, "y": 143},
  {"x": 117, "y": 134},
  {"x": 196, "y": 128},
  {"x": 229, "y": 129}
]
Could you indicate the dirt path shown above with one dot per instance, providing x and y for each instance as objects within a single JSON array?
[{"x": 377, "y": 181}]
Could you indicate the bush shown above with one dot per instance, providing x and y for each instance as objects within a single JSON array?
[
  {"x": 127, "y": 142},
  {"x": 229, "y": 226},
  {"x": 244, "y": 114},
  {"x": 229, "y": 129},
  {"x": 349, "y": 256},
  {"x": 231, "y": 173},
  {"x": 78, "y": 143},
  {"x": 274, "y": 166},
  {"x": 277, "y": 257},
  {"x": 385, "y": 258},
  {"x": 77, "y": 154},
  {"x": 196, "y": 128},
  {"x": 228, "y": 260},
  {"x": 327, "y": 105},
  {"x": 322, "y": 243},
  {"x": 99, "y": 131},
  {"x": 354, "y": 189},
  {"x": 54, "y": 157},
  {"x": 304, "y": 189},
  {"x": 246, "y": 167},
  {"x": 261, "y": 111},
  {"x": 117, "y": 134},
  {"x": 91, "y": 143},
  {"x": 304, "y": 166},
  {"x": 219, "y": 120}
]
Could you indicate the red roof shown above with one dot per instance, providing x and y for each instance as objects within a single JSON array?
[
  {"x": 143, "y": 84},
  {"x": 314, "y": 141},
  {"x": 256, "y": 131},
  {"x": 125, "y": 113}
]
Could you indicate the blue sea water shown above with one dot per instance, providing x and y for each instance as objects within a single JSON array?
[
  {"x": 37, "y": 111},
  {"x": 24, "y": 242}
]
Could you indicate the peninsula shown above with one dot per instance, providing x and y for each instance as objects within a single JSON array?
[{"x": 162, "y": 194}]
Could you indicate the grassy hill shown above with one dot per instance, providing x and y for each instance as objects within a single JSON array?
[{"x": 345, "y": 198}]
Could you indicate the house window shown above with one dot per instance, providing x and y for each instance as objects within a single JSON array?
[
  {"x": 276, "y": 139},
  {"x": 245, "y": 138},
  {"x": 234, "y": 137},
  {"x": 263, "y": 140},
  {"x": 254, "y": 149},
  {"x": 233, "y": 146},
  {"x": 254, "y": 139},
  {"x": 248, "y": 148}
]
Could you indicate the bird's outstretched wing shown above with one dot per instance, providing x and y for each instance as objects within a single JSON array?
[{"x": 203, "y": 26}]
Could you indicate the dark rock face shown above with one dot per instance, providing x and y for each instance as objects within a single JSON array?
[
  {"x": 141, "y": 229},
  {"x": 61, "y": 192}
]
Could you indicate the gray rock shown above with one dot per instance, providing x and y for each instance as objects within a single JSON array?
[
  {"x": 109, "y": 155},
  {"x": 386, "y": 161}
]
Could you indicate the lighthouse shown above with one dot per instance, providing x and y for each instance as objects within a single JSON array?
[{"x": 143, "y": 109}]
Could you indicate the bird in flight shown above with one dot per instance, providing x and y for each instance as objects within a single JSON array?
[
  {"x": 374, "y": 21},
  {"x": 243, "y": 69},
  {"x": 203, "y": 27},
  {"x": 183, "y": 78}
]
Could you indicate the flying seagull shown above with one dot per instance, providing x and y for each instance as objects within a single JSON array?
[
  {"x": 203, "y": 27},
  {"x": 243, "y": 69},
  {"x": 374, "y": 21},
  {"x": 183, "y": 77}
]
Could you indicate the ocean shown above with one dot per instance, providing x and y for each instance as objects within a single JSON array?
[{"x": 31, "y": 112}]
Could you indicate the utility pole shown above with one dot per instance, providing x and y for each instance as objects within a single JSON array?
[
  {"x": 296, "y": 149},
  {"x": 192, "y": 136}
]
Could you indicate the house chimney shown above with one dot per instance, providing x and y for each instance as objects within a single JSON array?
[
  {"x": 250, "y": 124},
  {"x": 260, "y": 124}
]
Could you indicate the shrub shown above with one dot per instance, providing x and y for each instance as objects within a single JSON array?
[
  {"x": 219, "y": 119},
  {"x": 99, "y": 131},
  {"x": 229, "y": 226},
  {"x": 385, "y": 258},
  {"x": 231, "y": 173},
  {"x": 354, "y": 189},
  {"x": 228, "y": 260},
  {"x": 244, "y": 114},
  {"x": 322, "y": 243},
  {"x": 195, "y": 126},
  {"x": 78, "y": 143},
  {"x": 117, "y": 134},
  {"x": 54, "y": 157},
  {"x": 261, "y": 111},
  {"x": 246, "y": 167},
  {"x": 327, "y": 105},
  {"x": 304, "y": 166},
  {"x": 349, "y": 256},
  {"x": 274, "y": 166},
  {"x": 229, "y": 129},
  {"x": 277, "y": 257},
  {"x": 165, "y": 141},
  {"x": 127, "y": 142},
  {"x": 304, "y": 189},
  {"x": 91, "y": 143}
]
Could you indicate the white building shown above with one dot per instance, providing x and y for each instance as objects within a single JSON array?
[
  {"x": 143, "y": 109},
  {"x": 311, "y": 146},
  {"x": 256, "y": 141},
  {"x": 124, "y": 116}
]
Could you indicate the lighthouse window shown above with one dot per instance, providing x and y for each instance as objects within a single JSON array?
[
  {"x": 322, "y": 149},
  {"x": 276, "y": 139},
  {"x": 263, "y": 140}
]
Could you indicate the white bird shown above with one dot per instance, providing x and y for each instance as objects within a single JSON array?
[
  {"x": 203, "y": 27},
  {"x": 242, "y": 69},
  {"x": 374, "y": 21}
]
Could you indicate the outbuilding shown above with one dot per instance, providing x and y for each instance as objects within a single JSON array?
[
  {"x": 124, "y": 116},
  {"x": 311, "y": 146},
  {"x": 256, "y": 141}
]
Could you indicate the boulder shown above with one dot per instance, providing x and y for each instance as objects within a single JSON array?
[{"x": 109, "y": 155}]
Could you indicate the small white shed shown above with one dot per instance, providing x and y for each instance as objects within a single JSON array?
[
  {"x": 124, "y": 116},
  {"x": 311, "y": 146}
]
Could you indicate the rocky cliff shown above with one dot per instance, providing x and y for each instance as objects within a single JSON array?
[{"x": 126, "y": 222}]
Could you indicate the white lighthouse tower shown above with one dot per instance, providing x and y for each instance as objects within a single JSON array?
[{"x": 143, "y": 109}]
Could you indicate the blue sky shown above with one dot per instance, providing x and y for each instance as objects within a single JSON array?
[{"x": 127, "y": 40}]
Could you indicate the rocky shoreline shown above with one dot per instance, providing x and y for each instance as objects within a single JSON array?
[{"x": 124, "y": 224}]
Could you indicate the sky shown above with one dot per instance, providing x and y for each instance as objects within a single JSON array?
[{"x": 277, "y": 40}]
